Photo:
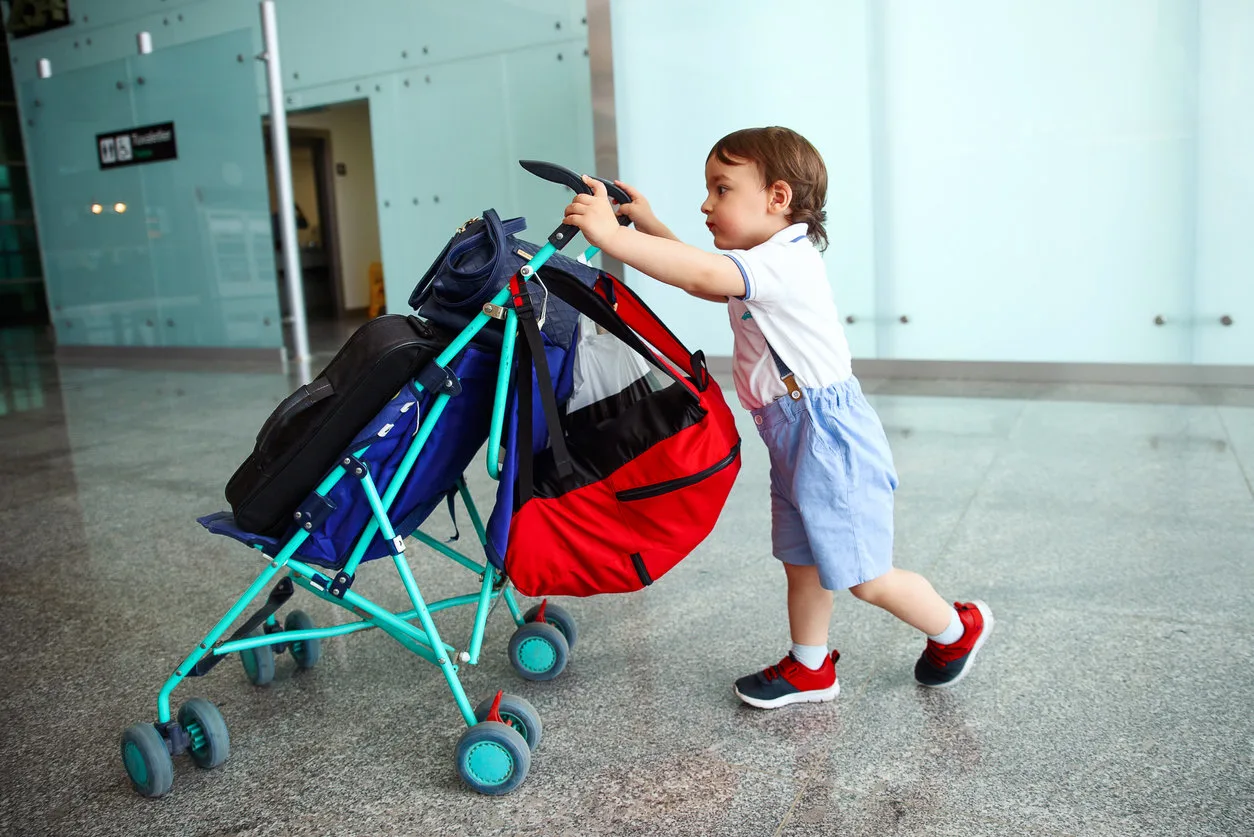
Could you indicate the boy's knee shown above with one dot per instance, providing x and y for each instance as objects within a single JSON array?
[{"x": 867, "y": 591}]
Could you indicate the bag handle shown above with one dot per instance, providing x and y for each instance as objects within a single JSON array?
[
  {"x": 498, "y": 232},
  {"x": 299, "y": 401},
  {"x": 586, "y": 301},
  {"x": 494, "y": 229},
  {"x": 633, "y": 311}
]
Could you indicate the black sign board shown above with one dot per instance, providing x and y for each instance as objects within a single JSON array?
[
  {"x": 30, "y": 17},
  {"x": 148, "y": 144}
]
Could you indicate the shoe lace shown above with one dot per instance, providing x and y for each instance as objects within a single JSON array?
[
  {"x": 782, "y": 669},
  {"x": 942, "y": 655}
]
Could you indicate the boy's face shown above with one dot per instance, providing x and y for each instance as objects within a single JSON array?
[{"x": 740, "y": 211}]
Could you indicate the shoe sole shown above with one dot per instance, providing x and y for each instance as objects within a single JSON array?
[
  {"x": 813, "y": 696},
  {"x": 989, "y": 622}
]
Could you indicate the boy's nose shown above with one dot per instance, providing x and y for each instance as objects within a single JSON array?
[{"x": 705, "y": 207}]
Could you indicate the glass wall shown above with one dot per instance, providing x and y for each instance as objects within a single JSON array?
[
  {"x": 457, "y": 93},
  {"x": 1061, "y": 182},
  {"x": 174, "y": 253}
]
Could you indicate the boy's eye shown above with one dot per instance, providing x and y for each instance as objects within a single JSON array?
[{"x": 722, "y": 190}]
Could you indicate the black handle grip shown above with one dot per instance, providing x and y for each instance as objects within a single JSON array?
[
  {"x": 563, "y": 176},
  {"x": 613, "y": 190},
  {"x": 554, "y": 173},
  {"x": 617, "y": 193}
]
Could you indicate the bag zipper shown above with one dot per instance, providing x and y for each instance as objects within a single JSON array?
[{"x": 646, "y": 491}]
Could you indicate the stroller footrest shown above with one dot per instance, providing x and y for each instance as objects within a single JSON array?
[{"x": 277, "y": 598}]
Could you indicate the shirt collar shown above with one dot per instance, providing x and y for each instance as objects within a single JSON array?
[{"x": 791, "y": 233}]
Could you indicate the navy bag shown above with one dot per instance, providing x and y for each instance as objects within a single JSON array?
[{"x": 476, "y": 264}]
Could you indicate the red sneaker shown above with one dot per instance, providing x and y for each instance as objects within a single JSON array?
[
  {"x": 788, "y": 681},
  {"x": 945, "y": 665}
]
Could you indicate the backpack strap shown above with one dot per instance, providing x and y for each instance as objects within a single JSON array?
[{"x": 531, "y": 356}]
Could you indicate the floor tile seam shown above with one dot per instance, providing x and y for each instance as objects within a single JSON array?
[
  {"x": 1235, "y": 455},
  {"x": 796, "y": 800}
]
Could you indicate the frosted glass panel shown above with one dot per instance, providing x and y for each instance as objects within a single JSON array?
[
  {"x": 453, "y": 145},
  {"x": 322, "y": 43},
  {"x": 1225, "y": 244},
  {"x": 98, "y": 267},
  {"x": 684, "y": 77},
  {"x": 1040, "y": 179},
  {"x": 208, "y": 214},
  {"x": 1020, "y": 181}
]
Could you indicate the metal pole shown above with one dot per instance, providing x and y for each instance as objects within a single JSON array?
[{"x": 283, "y": 181}]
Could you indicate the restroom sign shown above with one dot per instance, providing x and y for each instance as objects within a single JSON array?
[{"x": 149, "y": 144}]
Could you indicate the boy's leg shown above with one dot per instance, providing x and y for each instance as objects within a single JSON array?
[
  {"x": 911, "y": 598},
  {"x": 809, "y": 605},
  {"x": 908, "y": 596},
  {"x": 789, "y": 680}
]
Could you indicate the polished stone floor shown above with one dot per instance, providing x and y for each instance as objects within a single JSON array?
[{"x": 1110, "y": 528}]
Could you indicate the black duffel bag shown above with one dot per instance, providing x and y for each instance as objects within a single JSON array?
[{"x": 307, "y": 432}]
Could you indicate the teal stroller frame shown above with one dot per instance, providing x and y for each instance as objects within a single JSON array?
[{"x": 493, "y": 755}]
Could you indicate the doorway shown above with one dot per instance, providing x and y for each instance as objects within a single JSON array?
[{"x": 333, "y": 186}]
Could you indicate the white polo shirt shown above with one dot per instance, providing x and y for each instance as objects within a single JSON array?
[{"x": 788, "y": 302}]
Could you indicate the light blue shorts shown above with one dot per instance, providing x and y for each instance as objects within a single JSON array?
[{"x": 832, "y": 484}]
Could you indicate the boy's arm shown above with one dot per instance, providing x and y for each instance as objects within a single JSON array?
[
  {"x": 671, "y": 261},
  {"x": 702, "y": 274}
]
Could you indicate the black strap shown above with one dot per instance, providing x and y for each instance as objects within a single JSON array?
[
  {"x": 587, "y": 301},
  {"x": 531, "y": 356},
  {"x": 452, "y": 513}
]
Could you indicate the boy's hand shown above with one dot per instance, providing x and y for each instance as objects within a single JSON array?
[
  {"x": 639, "y": 210},
  {"x": 593, "y": 215}
]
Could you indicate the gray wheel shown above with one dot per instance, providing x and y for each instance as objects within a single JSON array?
[
  {"x": 210, "y": 744},
  {"x": 147, "y": 761},
  {"x": 538, "y": 651},
  {"x": 558, "y": 617},
  {"x": 258, "y": 664},
  {"x": 492, "y": 758},
  {"x": 305, "y": 652},
  {"x": 517, "y": 713}
]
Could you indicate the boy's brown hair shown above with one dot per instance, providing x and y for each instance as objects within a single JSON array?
[{"x": 783, "y": 154}]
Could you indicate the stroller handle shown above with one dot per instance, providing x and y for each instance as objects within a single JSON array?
[{"x": 563, "y": 176}]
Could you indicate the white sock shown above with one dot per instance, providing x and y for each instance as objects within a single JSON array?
[
  {"x": 810, "y": 656},
  {"x": 953, "y": 633}
]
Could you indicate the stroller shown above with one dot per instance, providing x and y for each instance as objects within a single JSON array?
[{"x": 392, "y": 476}]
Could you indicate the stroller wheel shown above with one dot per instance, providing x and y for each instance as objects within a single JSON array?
[
  {"x": 538, "y": 651},
  {"x": 147, "y": 760},
  {"x": 517, "y": 713},
  {"x": 559, "y": 618},
  {"x": 492, "y": 758},
  {"x": 210, "y": 744},
  {"x": 307, "y": 652},
  {"x": 258, "y": 664}
]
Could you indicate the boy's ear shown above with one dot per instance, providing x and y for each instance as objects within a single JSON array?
[{"x": 779, "y": 198}]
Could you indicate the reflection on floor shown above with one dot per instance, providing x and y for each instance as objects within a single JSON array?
[{"x": 1112, "y": 530}]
